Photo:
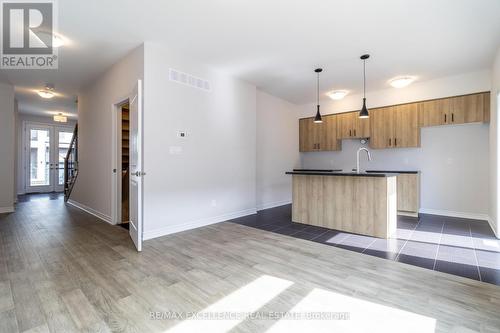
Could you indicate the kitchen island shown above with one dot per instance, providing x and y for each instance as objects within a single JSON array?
[{"x": 364, "y": 203}]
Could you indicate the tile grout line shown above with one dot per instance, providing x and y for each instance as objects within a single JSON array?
[
  {"x": 369, "y": 245},
  {"x": 324, "y": 232},
  {"x": 475, "y": 254},
  {"x": 439, "y": 245},
  {"x": 406, "y": 241}
]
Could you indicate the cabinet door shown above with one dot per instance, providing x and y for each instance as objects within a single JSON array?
[
  {"x": 304, "y": 144},
  {"x": 407, "y": 131},
  {"x": 408, "y": 192},
  {"x": 467, "y": 109},
  {"x": 329, "y": 140},
  {"x": 345, "y": 125},
  {"x": 434, "y": 113},
  {"x": 382, "y": 128},
  {"x": 486, "y": 105},
  {"x": 362, "y": 128},
  {"x": 308, "y": 135}
]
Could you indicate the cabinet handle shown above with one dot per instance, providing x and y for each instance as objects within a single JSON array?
[
  {"x": 395, "y": 141},
  {"x": 445, "y": 118},
  {"x": 452, "y": 117},
  {"x": 354, "y": 132},
  {"x": 350, "y": 132},
  {"x": 390, "y": 142},
  {"x": 319, "y": 145}
]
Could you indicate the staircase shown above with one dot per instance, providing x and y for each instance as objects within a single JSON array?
[{"x": 71, "y": 165}]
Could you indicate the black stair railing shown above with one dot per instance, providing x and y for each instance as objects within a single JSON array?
[{"x": 71, "y": 165}]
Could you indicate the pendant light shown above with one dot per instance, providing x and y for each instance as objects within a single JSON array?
[
  {"x": 364, "y": 111},
  {"x": 317, "y": 118}
]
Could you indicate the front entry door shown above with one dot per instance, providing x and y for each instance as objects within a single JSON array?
[
  {"x": 136, "y": 165},
  {"x": 46, "y": 147}
]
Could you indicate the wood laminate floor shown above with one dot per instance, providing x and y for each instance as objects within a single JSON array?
[{"x": 62, "y": 270}]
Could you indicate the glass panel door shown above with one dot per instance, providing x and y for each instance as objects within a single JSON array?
[
  {"x": 46, "y": 149},
  {"x": 39, "y": 160}
]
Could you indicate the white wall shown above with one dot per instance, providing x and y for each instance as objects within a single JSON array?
[
  {"x": 213, "y": 178},
  {"x": 20, "y": 120},
  {"x": 454, "y": 160},
  {"x": 93, "y": 187},
  {"x": 494, "y": 147},
  {"x": 277, "y": 149},
  {"x": 7, "y": 147}
]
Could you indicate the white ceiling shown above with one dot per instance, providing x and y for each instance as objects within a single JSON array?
[{"x": 275, "y": 44}]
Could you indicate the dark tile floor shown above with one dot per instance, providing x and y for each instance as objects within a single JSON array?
[{"x": 456, "y": 246}]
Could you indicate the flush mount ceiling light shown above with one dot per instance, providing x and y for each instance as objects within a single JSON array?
[
  {"x": 60, "y": 118},
  {"x": 337, "y": 94},
  {"x": 317, "y": 118},
  {"x": 401, "y": 81},
  {"x": 48, "y": 92},
  {"x": 364, "y": 111}
]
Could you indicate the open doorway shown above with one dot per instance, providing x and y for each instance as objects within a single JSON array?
[
  {"x": 127, "y": 180},
  {"x": 123, "y": 161}
]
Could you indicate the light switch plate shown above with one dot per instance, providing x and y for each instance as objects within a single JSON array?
[{"x": 175, "y": 150}]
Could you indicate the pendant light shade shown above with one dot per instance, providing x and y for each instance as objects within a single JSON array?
[
  {"x": 364, "y": 111},
  {"x": 317, "y": 118}
]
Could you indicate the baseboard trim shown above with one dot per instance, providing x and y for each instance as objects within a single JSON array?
[
  {"x": 4, "y": 210},
  {"x": 91, "y": 211},
  {"x": 195, "y": 224},
  {"x": 273, "y": 204},
  {"x": 493, "y": 227},
  {"x": 463, "y": 215}
]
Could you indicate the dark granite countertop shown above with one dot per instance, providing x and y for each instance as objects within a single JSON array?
[
  {"x": 393, "y": 171},
  {"x": 351, "y": 174},
  {"x": 318, "y": 170}
]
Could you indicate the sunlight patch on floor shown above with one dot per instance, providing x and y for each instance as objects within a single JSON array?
[
  {"x": 245, "y": 300},
  {"x": 363, "y": 316}
]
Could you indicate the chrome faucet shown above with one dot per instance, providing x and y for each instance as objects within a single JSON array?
[{"x": 357, "y": 159}]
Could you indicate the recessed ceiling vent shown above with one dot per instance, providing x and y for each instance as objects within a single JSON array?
[{"x": 188, "y": 80}]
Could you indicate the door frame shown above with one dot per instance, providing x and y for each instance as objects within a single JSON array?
[
  {"x": 26, "y": 159},
  {"x": 116, "y": 159}
]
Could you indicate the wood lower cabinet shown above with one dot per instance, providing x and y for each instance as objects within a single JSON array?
[
  {"x": 319, "y": 137},
  {"x": 395, "y": 127},
  {"x": 350, "y": 126},
  {"x": 408, "y": 194},
  {"x": 455, "y": 110}
]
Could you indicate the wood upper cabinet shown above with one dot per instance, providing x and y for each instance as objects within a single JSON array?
[
  {"x": 395, "y": 127},
  {"x": 455, "y": 110},
  {"x": 318, "y": 137},
  {"x": 352, "y": 127},
  {"x": 434, "y": 113},
  {"x": 407, "y": 130},
  {"x": 382, "y": 127}
]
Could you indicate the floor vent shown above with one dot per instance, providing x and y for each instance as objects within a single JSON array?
[{"x": 188, "y": 80}]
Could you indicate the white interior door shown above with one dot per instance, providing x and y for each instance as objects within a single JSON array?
[
  {"x": 135, "y": 166},
  {"x": 39, "y": 143}
]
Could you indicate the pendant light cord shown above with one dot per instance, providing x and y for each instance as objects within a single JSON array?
[
  {"x": 364, "y": 78},
  {"x": 317, "y": 91}
]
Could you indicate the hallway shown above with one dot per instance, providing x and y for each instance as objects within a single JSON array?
[{"x": 62, "y": 270}]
